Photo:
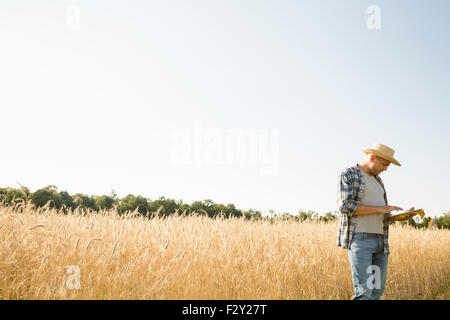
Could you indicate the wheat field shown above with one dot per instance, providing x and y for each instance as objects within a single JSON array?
[{"x": 43, "y": 252}]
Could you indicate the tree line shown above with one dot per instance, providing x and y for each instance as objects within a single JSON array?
[{"x": 64, "y": 201}]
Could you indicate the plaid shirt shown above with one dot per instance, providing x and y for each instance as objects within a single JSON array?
[{"x": 351, "y": 185}]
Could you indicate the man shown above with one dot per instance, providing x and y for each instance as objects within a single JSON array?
[{"x": 364, "y": 221}]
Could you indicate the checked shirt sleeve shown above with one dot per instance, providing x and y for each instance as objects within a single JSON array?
[{"x": 346, "y": 194}]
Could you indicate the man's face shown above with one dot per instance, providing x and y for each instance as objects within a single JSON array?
[{"x": 378, "y": 165}]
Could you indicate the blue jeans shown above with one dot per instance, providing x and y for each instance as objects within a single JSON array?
[{"x": 369, "y": 265}]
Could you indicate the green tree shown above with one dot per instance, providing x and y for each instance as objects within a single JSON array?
[
  {"x": 232, "y": 211},
  {"x": 47, "y": 194},
  {"x": 104, "y": 202},
  {"x": 165, "y": 206},
  {"x": 443, "y": 222},
  {"x": 67, "y": 201},
  {"x": 287, "y": 216},
  {"x": 310, "y": 215},
  {"x": 252, "y": 214},
  {"x": 132, "y": 202},
  {"x": 327, "y": 217},
  {"x": 10, "y": 195},
  {"x": 80, "y": 199},
  {"x": 206, "y": 206}
]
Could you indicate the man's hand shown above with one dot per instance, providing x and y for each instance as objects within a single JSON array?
[{"x": 388, "y": 209}]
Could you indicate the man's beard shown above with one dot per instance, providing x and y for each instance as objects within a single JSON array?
[{"x": 373, "y": 172}]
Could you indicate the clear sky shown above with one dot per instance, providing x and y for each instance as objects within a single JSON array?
[{"x": 142, "y": 97}]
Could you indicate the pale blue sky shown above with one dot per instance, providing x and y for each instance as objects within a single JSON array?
[{"x": 95, "y": 108}]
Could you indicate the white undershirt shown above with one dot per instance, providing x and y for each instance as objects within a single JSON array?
[{"x": 373, "y": 196}]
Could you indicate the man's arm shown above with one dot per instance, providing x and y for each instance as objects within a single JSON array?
[
  {"x": 363, "y": 210},
  {"x": 349, "y": 206}
]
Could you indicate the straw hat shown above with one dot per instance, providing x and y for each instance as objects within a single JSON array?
[{"x": 383, "y": 151}]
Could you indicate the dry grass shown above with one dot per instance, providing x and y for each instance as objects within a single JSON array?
[{"x": 195, "y": 257}]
